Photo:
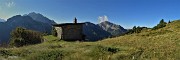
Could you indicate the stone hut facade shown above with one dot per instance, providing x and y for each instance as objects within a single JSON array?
[{"x": 70, "y": 31}]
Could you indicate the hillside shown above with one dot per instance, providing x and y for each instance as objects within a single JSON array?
[
  {"x": 38, "y": 22},
  {"x": 25, "y": 21},
  {"x": 93, "y": 32},
  {"x": 2, "y": 20},
  {"x": 112, "y": 28},
  {"x": 39, "y": 17},
  {"x": 161, "y": 44},
  {"x": 105, "y": 29}
]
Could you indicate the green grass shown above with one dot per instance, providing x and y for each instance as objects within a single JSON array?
[
  {"x": 161, "y": 44},
  {"x": 50, "y": 38}
]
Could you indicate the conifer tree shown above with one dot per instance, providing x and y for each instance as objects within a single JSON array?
[
  {"x": 169, "y": 21},
  {"x": 160, "y": 25}
]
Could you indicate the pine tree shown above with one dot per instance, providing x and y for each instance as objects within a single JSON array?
[
  {"x": 134, "y": 27},
  {"x": 169, "y": 21},
  {"x": 138, "y": 29},
  {"x": 160, "y": 25}
]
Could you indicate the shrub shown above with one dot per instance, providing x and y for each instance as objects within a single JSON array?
[
  {"x": 160, "y": 25},
  {"x": 21, "y": 36},
  {"x": 5, "y": 53},
  {"x": 136, "y": 30}
]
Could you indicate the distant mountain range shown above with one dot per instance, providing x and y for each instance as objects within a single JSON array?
[
  {"x": 102, "y": 30},
  {"x": 26, "y": 21},
  {"x": 94, "y": 32},
  {"x": 113, "y": 29},
  {"x": 2, "y": 20},
  {"x": 39, "y": 17},
  {"x": 38, "y": 22}
]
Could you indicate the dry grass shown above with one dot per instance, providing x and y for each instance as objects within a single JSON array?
[{"x": 161, "y": 44}]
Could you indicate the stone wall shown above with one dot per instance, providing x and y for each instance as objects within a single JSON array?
[
  {"x": 72, "y": 32},
  {"x": 59, "y": 31}
]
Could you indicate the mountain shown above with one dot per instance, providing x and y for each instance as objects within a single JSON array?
[
  {"x": 160, "y": 44},
  {"x": 25, "y": 21},
  {"x": 112, "y": 28},
  {"x": 28, "y": 22},
  {"x": 39, "y": 17},
  {"x": 38, "y": 22},
  {"x": 93, "y": 32},
  {"x": 2, "y": 20}
]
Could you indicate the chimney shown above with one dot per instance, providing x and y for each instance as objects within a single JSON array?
[{"x": 75, "y": 20}]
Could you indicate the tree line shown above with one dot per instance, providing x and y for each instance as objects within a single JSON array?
[{"x": 138, "y": 29}]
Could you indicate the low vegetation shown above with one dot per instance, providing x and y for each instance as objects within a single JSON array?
[
  {"x": 160, "y": 44},
  {"x": 160, "y": 25},
  {"x": 136, "y": 30},
  {"x": 21, "y": 36},
  {"x": 139, "y": 29}
]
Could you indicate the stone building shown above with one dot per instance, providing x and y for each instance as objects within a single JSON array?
[{"x": 70, "y": 31}]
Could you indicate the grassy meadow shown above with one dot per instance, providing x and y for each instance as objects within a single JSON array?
[{"x": 161, "y": 44}]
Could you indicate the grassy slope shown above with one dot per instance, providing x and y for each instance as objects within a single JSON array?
[{"x": 161, "y": 44}]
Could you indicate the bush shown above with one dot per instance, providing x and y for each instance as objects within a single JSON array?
[
  {"x": 136, "y": 30},
  {"x": 160, "y": 25},
  {"x": 21, "y": 36},
  {"x": 4, "y": 52}
]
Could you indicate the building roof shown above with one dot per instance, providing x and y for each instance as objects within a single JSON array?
[{"x": 64, "y": 24}]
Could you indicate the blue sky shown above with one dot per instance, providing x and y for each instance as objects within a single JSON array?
[{"x": 126, "y": 13}]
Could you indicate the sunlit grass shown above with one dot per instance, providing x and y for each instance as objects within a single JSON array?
[{"x": 161, "y": 44}]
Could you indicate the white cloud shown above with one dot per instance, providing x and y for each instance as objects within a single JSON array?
[
  {"x": 10, "y": 4},
  {"x": 102, "y": 18}
]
